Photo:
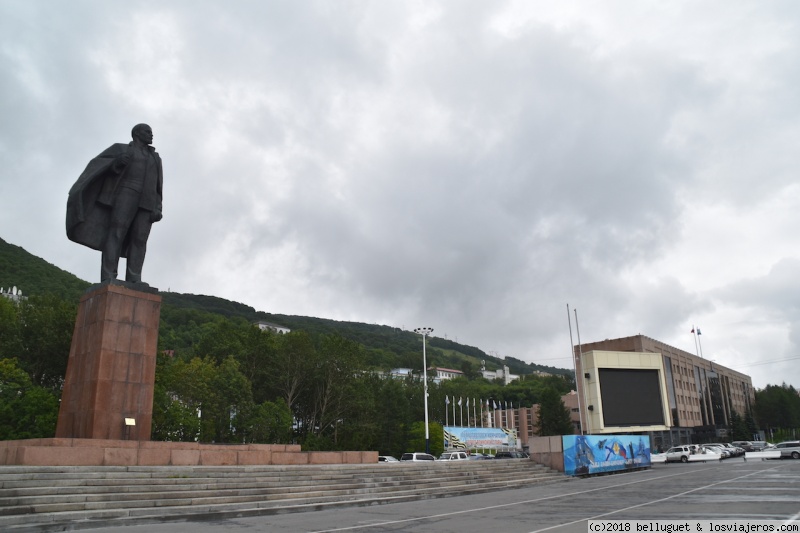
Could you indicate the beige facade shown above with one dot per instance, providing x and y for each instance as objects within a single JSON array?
[
  {"x": 593, "y": 412},
  {"x": 699, "y": 393}
]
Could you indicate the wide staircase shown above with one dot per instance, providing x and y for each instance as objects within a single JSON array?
[{"x": 67, "y": 498}]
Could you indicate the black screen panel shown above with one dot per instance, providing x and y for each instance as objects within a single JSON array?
[{"x": 631, "y": 397}]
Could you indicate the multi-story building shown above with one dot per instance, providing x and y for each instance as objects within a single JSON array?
[
  {"x": 524, "y": 419},
  {"x": 621, "y": 383},
  {"x": 640, "y": 385}
]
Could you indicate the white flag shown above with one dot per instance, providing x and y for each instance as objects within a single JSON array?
[
  {"x": 446, "y": 400},
  {"x": 459, "y": 402}
]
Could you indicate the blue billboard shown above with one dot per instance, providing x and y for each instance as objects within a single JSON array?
[{"x": 593, "y": 454}]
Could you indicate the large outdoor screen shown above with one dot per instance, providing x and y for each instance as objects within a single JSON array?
[{"x": 631, "y": 397}]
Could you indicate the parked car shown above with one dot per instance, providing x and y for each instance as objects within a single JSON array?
[
  {"x": 678, "y": 454},
  {"x": 718, "y": 448},
  {"x": 759, "y": 445},
  {"x": 739, "y": 450},
  {"x": 715, "y": 451},
  {"x": 478, "y": 456},
  {"x": 417, "y": 456},
  {"x": 510, "y": 455},
  {"x": 387, "y": 459},
  {"x": 789, "y": 448},
  {"x": 454, "y": 456},
  {"x": 746, "y": 445},
  {"x": 732, "y": 450}
]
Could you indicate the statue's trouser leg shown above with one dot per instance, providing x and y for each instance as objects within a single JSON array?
[
  {"x": 126, "y": 205},
  {"x": 139, "y": 232}
]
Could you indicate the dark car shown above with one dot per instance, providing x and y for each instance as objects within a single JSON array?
[
  {"x": 746, "y": 445},
  {"x": 510, "y": 455}
]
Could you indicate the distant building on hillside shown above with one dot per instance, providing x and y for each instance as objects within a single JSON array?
[
  {"x": 262, "y": 325},
  {"x": 501, "y": 373},
  {"x": 13, "y": 294},
  {"x": 443, "y": 374},
  {"x": 435, "y": 374},
  {"x": 400, "y": 373}
]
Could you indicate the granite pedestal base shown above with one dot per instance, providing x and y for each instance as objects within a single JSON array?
[
  {"x": 111, "y": 368},
  {"x": 102, "y": 452}
]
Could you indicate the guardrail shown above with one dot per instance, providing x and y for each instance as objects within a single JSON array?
[{"x": 764, "y": 454}]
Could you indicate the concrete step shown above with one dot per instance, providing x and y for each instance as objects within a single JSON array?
[{"x": 55, "y": 498}]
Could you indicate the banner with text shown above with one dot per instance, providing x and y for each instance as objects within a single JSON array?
[{"x": 475, "y": 438}]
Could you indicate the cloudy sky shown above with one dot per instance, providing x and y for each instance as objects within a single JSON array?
[{"x": 468, "y": 166}]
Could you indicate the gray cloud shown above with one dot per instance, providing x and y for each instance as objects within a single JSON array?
[{"x": 471, "y": 167}]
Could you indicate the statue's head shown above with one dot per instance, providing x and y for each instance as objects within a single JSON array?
[{"x": 143, "y": 133}]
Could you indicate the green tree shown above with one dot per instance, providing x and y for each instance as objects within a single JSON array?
[
  {"x": 417, "y": 438},
  {"x": 27, "y": 411},
  {"x": 778, "y": 407},
  {"x": 216, "y": 393},
  {"x": 738, "y": 427},
  {"x": 38, "y": 332},
  {"x": 750, "y": 422},
  {"x": 10, "y": 342},
  {"x": 265, "y": 423},
  {"x": 338, "y": 361},
  {"x": 554, "y": 416},
  {"x": 290, "y": 369}
]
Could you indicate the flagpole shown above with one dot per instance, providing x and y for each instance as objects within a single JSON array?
[
  {"x": 580, "y": 351},
  {"x": 700, "y": 344},
  {"x": 578, "y": 389},
  {"x": 694, "y": 335},
  {"x": 461, "y": 410},
  {"x": 474, "y": 416},
  {"x": 446, "y": 403}
]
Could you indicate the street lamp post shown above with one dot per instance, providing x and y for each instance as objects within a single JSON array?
[{"x": 425, "y": 332}]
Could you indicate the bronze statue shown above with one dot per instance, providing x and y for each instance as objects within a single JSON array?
[{"x": 115, "y": 202}]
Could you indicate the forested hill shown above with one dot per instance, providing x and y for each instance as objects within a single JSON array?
[
  {"x": 35, "y": 276},
  {"x": 185, "y": 318}
]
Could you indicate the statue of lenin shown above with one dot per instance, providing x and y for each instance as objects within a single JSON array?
[{"x": 115, "y": 202}]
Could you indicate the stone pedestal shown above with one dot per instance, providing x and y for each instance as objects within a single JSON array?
[{"x": 111, "y": 368}]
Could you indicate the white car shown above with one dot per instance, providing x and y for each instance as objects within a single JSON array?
[
  {"x": 454, "y": 456},
  {"x": 789, "y": 449},
  {"x": 678, "y": 453},
  {"x": 417, "y": 456},
  {"x": 717, "y": 449}
]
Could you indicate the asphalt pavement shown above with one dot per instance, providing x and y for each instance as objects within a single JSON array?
[{"x": 727, "y": 490}]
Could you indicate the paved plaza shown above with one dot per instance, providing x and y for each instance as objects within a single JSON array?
[{"x": 732, "y": 489}]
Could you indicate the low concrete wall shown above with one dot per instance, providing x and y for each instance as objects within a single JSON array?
[
  {"x": 104, "y": 452},
  {"x": 547, "y": 451}
]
